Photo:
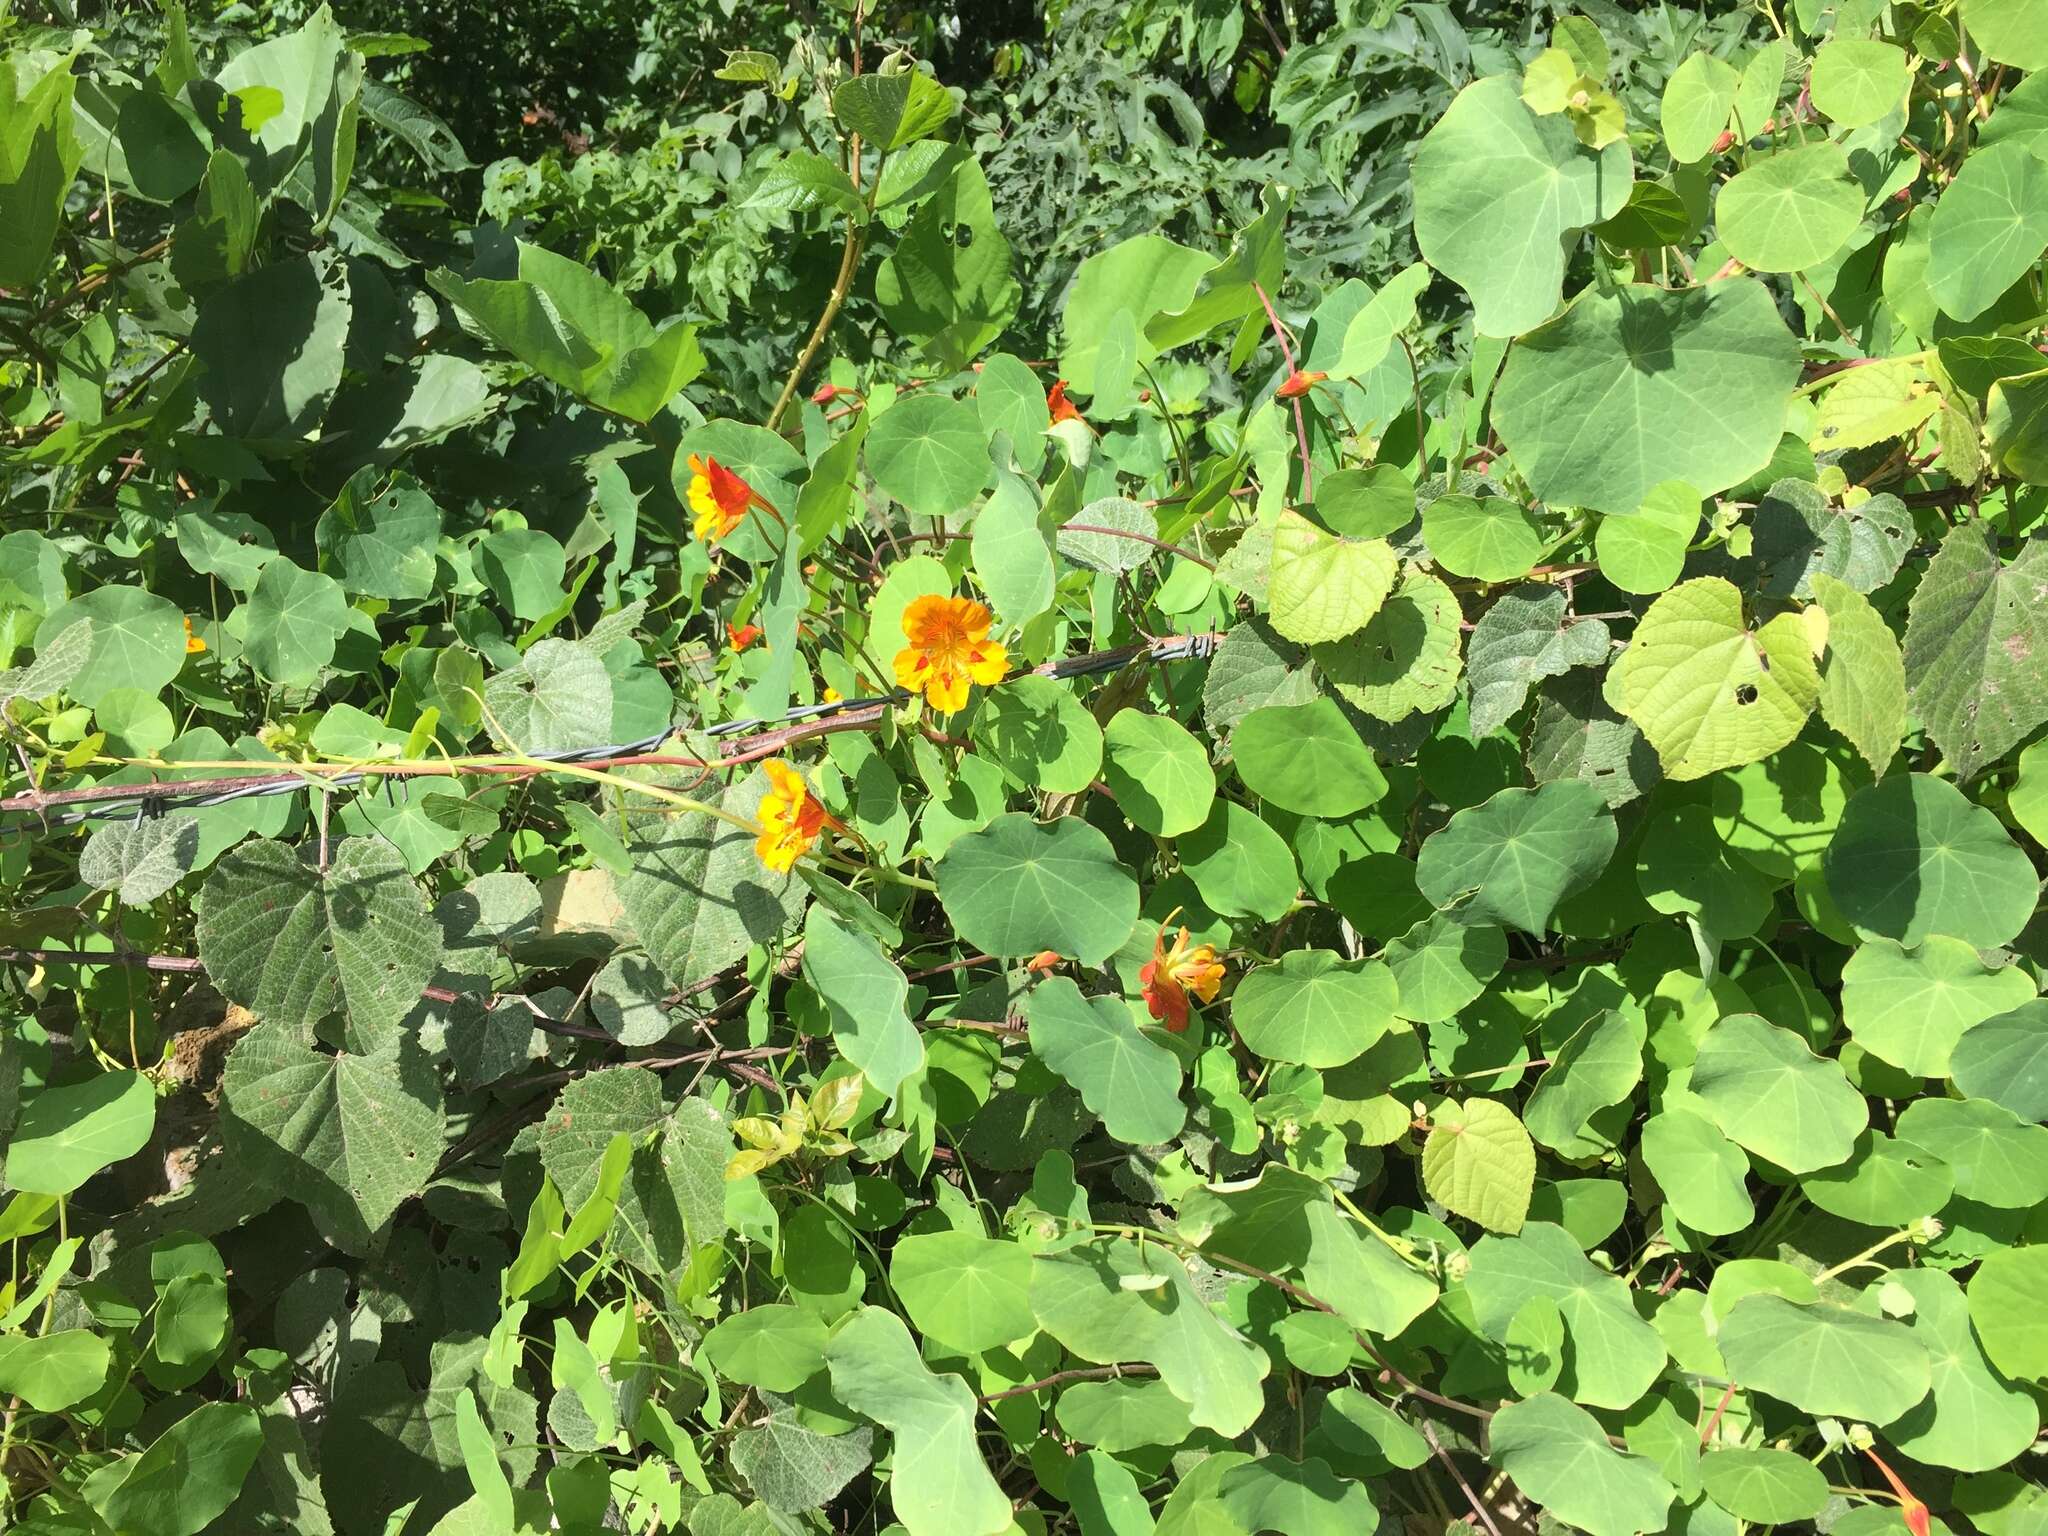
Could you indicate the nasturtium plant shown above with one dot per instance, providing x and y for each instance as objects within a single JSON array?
[{"x": 968, "y": 770}]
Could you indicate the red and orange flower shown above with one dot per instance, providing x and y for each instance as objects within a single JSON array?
[
  {"x": 1061, "y": 407},
  {"x": 740, "y": 636},
  {"x": 949, "y": 649},
  {"x": 718, "y": 499},
  {"x": 1297, "y": 384},
  {"x": 1173, "y": 973},
  {"x": 791, "y": 818}
]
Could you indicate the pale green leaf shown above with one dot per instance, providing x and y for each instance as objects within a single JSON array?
[
  {"x": 1479, "y": 1163},
  {"x": 1707, "y": 690}
]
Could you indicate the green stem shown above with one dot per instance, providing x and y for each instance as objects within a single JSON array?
[{"x": 1867, "y": 1256}]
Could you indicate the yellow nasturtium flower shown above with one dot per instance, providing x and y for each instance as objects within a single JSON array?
[
  {"x": 949, "y": 649},
  {"x": 718, "y": 499},
  {"x": 791, "y": 818},
  {"x": 1171, "y": 974}
]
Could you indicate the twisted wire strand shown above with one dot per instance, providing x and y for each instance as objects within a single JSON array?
[{"x": 159, "y": 797}]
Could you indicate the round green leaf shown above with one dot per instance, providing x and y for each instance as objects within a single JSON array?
[
  {"x": 526, "y": 569},
  {"x": 1772, "y": 1095},
  {"x": 1520, "y": 854},
  {"x": 1122, "y": 1414},
  {"x": 1488, "y": 538},
  {"x": 138, "y": 641},
  {"x": 292, "y": 621},
  {"x": 1306, "y": 758},
  {"x": 1780, "y": 814},
  {"x": 137, "y": 724},
  {"x": 1627, "y": 390},
  {"x": 1701, "y": 1172},
  {"x": 2013, "y": 32},
  {"x": 775, "y": 1347},
  {"x": 1497, "y": 192},
  {"x": 1857, "y": 81},
  {"x": 1158, "y": 772},
  {"x": 969, "y": 1293},
  {"x": 1314, "y": 1007},
  {"x": 1614, "y": 1354},
  {"x": 1911, "y": 1006},
  {"x": 190, "y": 1473},
  {"x": 2005, "y": 1059},
  {"x": 1989, "y": 228},
  {"x": 52, "y": 1371},
  {"x": 1012, "y": 558},
  {"x": 1765, "y": 1486},
  {"x": 929, "y": 453},
  {"x": 1596, "y": 1067},
  {"x": 1998, "y": 1159},
  {"x": 1644, "y": 551},
  {"x": 1441, "y": 964},
  {"x": 1040, "y": 735},
  {"x": 69, "y": 1133},
  {"x": 2008, "y": 1299},
  {"x": 1914, "y": 857},
  {"x": 1974, "y": 1419},
  {"x": 381, "y": 544},
  {"x": 1695, "y": 106},
  {"x": 1885, "y": 1183},
  {"x": 1017, "y": 886},
  {"x": 1012, "y": 401},
  {"x": 1368, "y": 502},
  {"x": 1790, "y": 210},
  {"x": 1825, "y": 1359},
  {"x": 1242, "y": 867}
]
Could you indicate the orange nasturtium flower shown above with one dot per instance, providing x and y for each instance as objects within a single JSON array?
[
  {"x": 1297, "y": 384},
  {"x": 193, "y": 644},
  {"x": 1044, "y": 963},
  {"x": 718, "y": 498},
  {"x": 791, "y": 818},
  {"x": 1061, "y": 407},
  {"x": 1173, "y": 973},
  {"x": 740, "y": 636},
  {"x": 949, "y": 648},
  {"x": 1912, "y": 1509}
]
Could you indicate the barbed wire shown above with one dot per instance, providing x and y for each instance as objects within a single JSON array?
[{"x": 768, "y": 735}]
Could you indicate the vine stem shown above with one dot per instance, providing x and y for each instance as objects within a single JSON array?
[
  {"x": 1450, "y": 1466},
  {"x": 1083, "y": 1373},
  {"x": 1308, "y": 488},
  {"x": 849, "y": 263},
  {"x": 1867, "y": 1256}
]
